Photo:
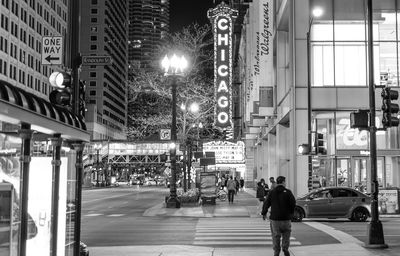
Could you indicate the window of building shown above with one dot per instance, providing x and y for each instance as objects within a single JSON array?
[
  {"x": 339, "y": 41},
  {"x": 92, "y": 83},
  {"x": 93, "y": 47},
  {"x": 93, "y": 20},
  {"x": 93, "y": 11},
  {"x": 92, "y": 93},
  {"x": 92, "y": 74}
]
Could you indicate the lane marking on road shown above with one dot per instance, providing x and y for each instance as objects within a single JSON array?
[
  {"x": 93, "y": 214},
  {"x": 116, "y": 215}
]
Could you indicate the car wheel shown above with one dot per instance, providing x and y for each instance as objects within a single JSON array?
[
  {"x": 298, "y": 215},
  {"x": 360, "y": 215}
]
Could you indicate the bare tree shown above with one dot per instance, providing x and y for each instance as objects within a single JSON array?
[{"x": 150, "y": 94}]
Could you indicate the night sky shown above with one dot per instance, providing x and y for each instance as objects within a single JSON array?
[{"x": 186, "y": 12}]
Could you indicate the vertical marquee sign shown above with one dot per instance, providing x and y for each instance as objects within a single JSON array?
[{"x": 222, "y": 18}]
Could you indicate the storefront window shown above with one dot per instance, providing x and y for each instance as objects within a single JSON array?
[{"x": 10, "y": 219}]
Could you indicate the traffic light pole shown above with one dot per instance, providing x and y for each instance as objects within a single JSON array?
[
  {"x": 75, "y": 59},
  {"x": 375, "y": 238}
]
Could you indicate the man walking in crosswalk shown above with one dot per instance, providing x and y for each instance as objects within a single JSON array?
[{"x": 282, "y": 203}]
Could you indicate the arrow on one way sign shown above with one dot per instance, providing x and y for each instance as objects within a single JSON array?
[
  {"x": 52, "y": 50},
  {"x": 49, "y": 58}
]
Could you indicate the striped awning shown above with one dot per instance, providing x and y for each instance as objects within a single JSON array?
[{"x": 17, "y": 105}]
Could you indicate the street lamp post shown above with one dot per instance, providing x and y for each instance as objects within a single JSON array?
[
  {"x": 173, "y": 68},
  {"x": 317, "y": 12}
]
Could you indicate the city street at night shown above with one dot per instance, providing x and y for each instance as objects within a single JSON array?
[{"x": 199, "y": 127}]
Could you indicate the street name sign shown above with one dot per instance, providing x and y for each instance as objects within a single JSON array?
[
  {"x": 96, "y": 60},
  {"x": 52, "y": 50}
]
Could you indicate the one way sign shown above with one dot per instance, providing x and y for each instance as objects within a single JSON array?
[{"x": 52, "y": 50}]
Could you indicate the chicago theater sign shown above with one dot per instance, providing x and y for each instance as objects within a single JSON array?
[{"x": 221, "y": 19}]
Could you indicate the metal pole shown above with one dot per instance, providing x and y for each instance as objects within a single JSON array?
[
  {"x": 78, "y": 191},
  {"x": 97, "y": 167},
  {"x": 184, "y": 151},
  {"x": 173, "y": 201},
  {"x": 375, "y": 238},
  {"x": 74, "y": 21},
  {"x": 26, "y": 134},
  {"x": 309, "y": 110},
  {"x": 56, "y": 142},
  {"x": 189, "y": 165}
]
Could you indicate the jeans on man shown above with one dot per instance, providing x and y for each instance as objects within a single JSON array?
[
  {"x": 281, "y": 228},
  {"x": 231, "y": 194}
]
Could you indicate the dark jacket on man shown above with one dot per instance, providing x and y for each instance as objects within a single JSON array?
[{"x": 282, "y": 203}]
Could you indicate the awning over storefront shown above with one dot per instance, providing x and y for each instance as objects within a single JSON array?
[{"x": 17, "y": 106}]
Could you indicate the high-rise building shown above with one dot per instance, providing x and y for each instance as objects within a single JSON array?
[
  {"x": 104, "y": 33},
  {"x": 22, "y": 26},
  {"x": 148, "y": 24}
]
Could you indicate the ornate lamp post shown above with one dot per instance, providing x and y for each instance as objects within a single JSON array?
[{"x": 173, "y": 68}]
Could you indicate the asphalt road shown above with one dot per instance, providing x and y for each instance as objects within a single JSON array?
[
  {"x": 391, "y": 229},
  {"x": 113, "y": 217}
]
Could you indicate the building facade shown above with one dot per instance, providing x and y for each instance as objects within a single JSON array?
[
  {"x": 148, "y": 24},
  {"x": 338, "y": 79},
  {"x": 104, "y": 33}
]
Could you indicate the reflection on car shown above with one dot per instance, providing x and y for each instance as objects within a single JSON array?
[{"x": 333, "y": 202}]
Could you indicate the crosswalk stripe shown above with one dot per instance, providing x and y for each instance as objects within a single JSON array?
[
  {"x": 234, "y": 231},
  {"x": 93, "y": 214}
]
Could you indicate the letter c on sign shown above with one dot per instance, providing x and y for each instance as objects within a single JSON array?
[
  {"x": 222, "y": 24},
  {"x": 222, "y": 70},
  {"x": 222, "y": 102}
]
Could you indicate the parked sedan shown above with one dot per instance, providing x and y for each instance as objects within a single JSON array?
[{"x": 333, "y": 202}]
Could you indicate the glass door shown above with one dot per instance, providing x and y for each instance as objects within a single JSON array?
[{"x": 361, "y": 174}]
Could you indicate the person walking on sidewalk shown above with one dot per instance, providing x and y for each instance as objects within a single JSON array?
[
  {"x": 231, "y": 186},
  {"x": 273, "y": 183},
  {"x": 237, "y": 186},
  {"x": 282, "y": 203},
  {"x": 261, "y": 192},
  {"x": 241, "y": 184}
]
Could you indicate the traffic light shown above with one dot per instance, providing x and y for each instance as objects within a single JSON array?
[
  {"x": 62, "y": 93},
  {"x": 82, "y": 99},
  {"x": 389, "y": 108},
  {"x": 319, "y": 144}
]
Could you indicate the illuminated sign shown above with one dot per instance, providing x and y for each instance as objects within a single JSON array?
[
  {"x": 226, "y": 152},
  {"x": 222, "y": 22}
]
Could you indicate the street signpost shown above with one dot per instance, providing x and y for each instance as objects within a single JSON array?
[
  {"x": 96, "y": 60},
  {"x": 52, "y": 50},
  {"x": 165, "y": 134}
]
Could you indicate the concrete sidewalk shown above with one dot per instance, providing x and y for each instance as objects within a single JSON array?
[
  {"x": 245, "y": 205},
  {"x": 348, "y": 249}
]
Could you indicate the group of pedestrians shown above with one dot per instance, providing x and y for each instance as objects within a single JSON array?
[
  {"x": 233, "y": 186},
  {"x": 282, "y": 204}
]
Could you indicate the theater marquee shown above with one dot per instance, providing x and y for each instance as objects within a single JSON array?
[{"x": 221, "y": 19}]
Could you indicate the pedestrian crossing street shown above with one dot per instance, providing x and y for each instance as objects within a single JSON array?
[{"x": 234, "y": 232}]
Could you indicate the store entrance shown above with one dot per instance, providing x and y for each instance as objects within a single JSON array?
[{"x": 361, "y": 172}]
